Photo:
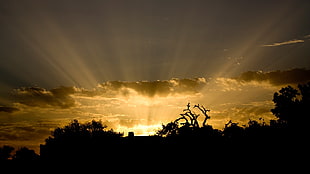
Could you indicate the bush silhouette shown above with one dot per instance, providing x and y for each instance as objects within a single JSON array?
[
  {"x": 79, "y": 141},
  {"x": 25, "y": 154},
  {"x": 5, "y": 152}
]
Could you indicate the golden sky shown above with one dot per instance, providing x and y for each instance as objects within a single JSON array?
[{"x": 136, "y": 64}]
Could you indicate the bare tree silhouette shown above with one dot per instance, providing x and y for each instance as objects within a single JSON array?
[
  {"x": 191, "y": 118},
  {"x": 188, "y": 124}
]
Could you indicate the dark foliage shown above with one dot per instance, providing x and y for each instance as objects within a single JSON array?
[
  {"x": 80, "y": 141},
  {"x": 291, "y": 105},
  {"x": 25, "y": 154},
  {"x": 5, "y": 152}
]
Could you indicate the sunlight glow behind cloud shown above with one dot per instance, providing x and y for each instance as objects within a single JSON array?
[{"x": 142, "y": 106}]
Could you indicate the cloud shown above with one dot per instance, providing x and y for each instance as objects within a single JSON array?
[
  {"x": 8, "y": 109},
  {"x": 66, "y": 97},
  {"x": 155, "y": 88},
  {"x": 40, "y": 97},
  {"x": 284, "y": 43},
  {"x": 293, "y": 76},
  {"x": 129, "y": 122}
]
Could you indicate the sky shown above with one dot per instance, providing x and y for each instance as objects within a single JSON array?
[{"x": 135, "y": 64}]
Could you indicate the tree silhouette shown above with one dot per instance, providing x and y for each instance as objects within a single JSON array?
[
  {"x": 191, "y": 118},
  {"x": 285, "y": 103},
  {"x": 85, "y": 131},
  {"x": 291, "y": 105},
  {"x": 170, "y": 129},
  {"x": 204, "y": 111},
  {"x": 78, "y": 141},
  {"x": 187, "y": 123},
  {"x": 5, "y": 152},
  {"x": 233, "y": 131},
  {"x": 25, "y": 154}
]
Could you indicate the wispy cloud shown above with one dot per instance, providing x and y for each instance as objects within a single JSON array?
[
  {"x": 307, "y": 36},
  {"x": 284, "y": 43}
]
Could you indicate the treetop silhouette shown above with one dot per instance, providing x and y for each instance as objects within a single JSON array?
[
  {"x": 291, "y": 105},
  {"x": 188, "y": 121},
  {"x": 193, "y": 117}
]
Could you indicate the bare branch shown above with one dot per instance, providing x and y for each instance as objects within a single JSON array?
[
  {"x": 191, "y": 118},
  {"x": 204, "y": 111}
]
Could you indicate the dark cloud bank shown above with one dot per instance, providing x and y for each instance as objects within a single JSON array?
[
  {"x": 8, "y": 109},
  {"x": 159, "y": 88},
  {"x": 293, "y": 76},
  {"x": 36, "y": 96}
]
